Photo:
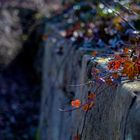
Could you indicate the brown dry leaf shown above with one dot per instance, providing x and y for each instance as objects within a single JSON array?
[
  {"x": 88, "y": 106},
  {"x": 130, "y": 69}
]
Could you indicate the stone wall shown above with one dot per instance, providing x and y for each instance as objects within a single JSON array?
[{"x": 115, "y": 115}]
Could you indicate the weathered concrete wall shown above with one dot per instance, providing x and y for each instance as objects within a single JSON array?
[
  {"x": 115, "y": 115},
  {"x": 60, "y": 70}
]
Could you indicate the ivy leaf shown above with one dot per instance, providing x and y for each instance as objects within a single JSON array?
[
  {"x": 76, "y": 103},
  {"x": 94, "y": 53},
  {"x": 91, "y": 96},
  {"x": 115, "y": 75},
  {"x": 114, "y": 64},
  {"x": 88, "y": 106},
  {"x": 130, "y": 69},
  {"x": 126, "y": 50}
]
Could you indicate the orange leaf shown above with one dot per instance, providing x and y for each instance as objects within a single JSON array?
[
  {"x": 76, "y": 103},
  {"x": 94, "y": 53},
  {"x": 97, "y": 70},
  {"x": 115, "y": 75},
  {"x": 117, "y": 65},
  {"x": 109, "y": 81},
  {"x": 125, "y": 50},
  {"x": 130, "y": 69},
  {"x": 88, "y": 106},
  {"x": 117, "y": 20},
  {"x": 114, "y": 64},
  {"x": 91, "y": 96}
]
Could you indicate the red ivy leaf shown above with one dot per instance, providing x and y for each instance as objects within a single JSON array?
[
  {"x": 114, "y": 64},
  {"x": 76, "y": 103},
  {"x": 130, "y": 69}
]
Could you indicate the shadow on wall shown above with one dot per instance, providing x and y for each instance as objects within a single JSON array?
[{"x": 20, "y": 78}]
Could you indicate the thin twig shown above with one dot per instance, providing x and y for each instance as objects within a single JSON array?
[{"x": 88, "y": 102}]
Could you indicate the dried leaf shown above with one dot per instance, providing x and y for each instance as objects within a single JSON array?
[
  {"x": 94, "y": 53},
  {"x": 88, "y": 106},
  {"x": 130, "y": 69},
  {"x": 126, "y": 50},
  {"x": 91, "y": 96},
  {"x": 115, "y": 75}
]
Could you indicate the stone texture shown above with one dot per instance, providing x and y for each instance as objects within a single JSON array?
[
  {"x": 116, "y": 112},
  {"x": 58, "y": 74}
]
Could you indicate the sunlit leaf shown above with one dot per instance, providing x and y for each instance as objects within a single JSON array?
[
  {"x": 130, "y": 69},
  {"x": 76, "y": 103},
  {"x": 114, "y": 65}
]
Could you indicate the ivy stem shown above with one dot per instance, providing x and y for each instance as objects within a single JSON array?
[{"x": 88, "y": 102}]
